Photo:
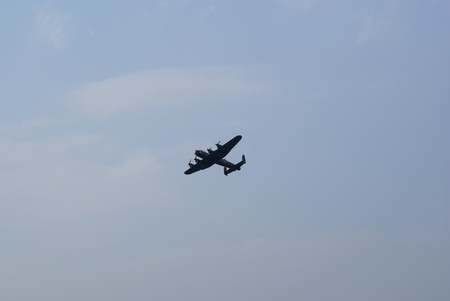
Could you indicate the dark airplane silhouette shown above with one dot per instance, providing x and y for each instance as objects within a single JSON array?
[{"x": 211, "y": 157}]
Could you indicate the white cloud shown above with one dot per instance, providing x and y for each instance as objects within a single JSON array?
[
  {"x": 384, "y": 22},
  {"x": 51, "y": 27},
  {"x": 208, "y": 11},
  {"x": 159, "y": 87},
  {"x": 303, "y": 4},
  {"x": 27, "y": 125},
  {"x": 291, "y": 268},
  {"x": 370, "y": 27},
  {"x": 139, "y": 163},
  {"x": 66, "y": 176}
]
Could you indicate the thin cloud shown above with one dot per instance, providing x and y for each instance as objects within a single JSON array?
[
  {"x": 370, "y": 27},
  {"x": 162, "y": 87},
  {"x": 139, "y": 163},
  {"x": 208, "y": 11},
  {"x": 384, "y": 23},
  {"x": 303, "y": 4},
  {"x": 65, "y": 176},
  {"x": 51, "y": 26},
  {"x": 27, "y": 125}
]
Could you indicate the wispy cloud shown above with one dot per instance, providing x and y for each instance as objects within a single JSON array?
[
  {"x": 383, "y": 22},
  {"x": 51, "y": 26},
  {"x": 207, "y": 11},
  {"x": 65, "y": 176},
  {"x": 159, "y": 87},
  {"x": 27, "y": 125},
  {"x": 371, "y": 26},
  {"x": 303, "y": 4},
  {"x": 310, "y": 261}
]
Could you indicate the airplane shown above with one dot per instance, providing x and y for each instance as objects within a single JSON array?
[{"x": 212, "y": 157}]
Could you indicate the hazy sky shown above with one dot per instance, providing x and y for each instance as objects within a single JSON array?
[{"x": 344, "y": 111}]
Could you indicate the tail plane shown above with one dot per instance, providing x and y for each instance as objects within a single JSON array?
[{"x": 238, "y": 166}]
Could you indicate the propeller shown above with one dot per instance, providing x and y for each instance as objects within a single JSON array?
[
  {"x": 218, "y": 144},
  {"x": 190, "y": 164}
]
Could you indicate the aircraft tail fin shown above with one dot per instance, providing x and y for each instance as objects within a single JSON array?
[{"x": 236, "y": 167}]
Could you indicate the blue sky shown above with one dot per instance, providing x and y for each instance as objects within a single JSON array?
[{"x": 343, "y": 107}]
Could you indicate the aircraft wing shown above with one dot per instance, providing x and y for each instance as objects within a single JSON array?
[
  {"x": 223, "y": 150},
  {"x": 203, "y": 164}
]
